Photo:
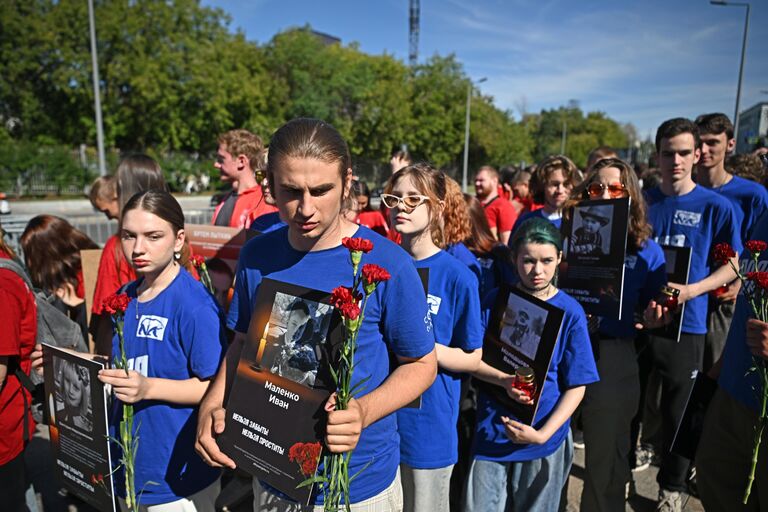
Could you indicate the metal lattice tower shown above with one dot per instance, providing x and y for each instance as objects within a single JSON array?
[{"x": 413, "y": 34}]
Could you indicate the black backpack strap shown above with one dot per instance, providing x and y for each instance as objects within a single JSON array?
[{"x": 26, "y": 383}]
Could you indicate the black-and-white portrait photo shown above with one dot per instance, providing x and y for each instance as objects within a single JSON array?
[
  {"x": 522, "y": 326},
  {"x": 73, "y": 394},
  {"x": 591, "y": 233},
  {"x": 297, "y": 330}
]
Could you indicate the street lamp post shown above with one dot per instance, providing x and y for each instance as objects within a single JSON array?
[
  {"x": 466, "y": 133},
  {"x": 96, "y": 94},
  {"x": 741, "y": 65}
]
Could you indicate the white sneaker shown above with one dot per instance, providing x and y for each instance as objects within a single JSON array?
[{"x": 669, "y": 501}]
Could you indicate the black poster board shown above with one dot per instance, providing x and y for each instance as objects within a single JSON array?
[
  {"x": 282, "y": 381},
  {"x": 522, "y": 331},
  {"x": 691, "y": 426},
  {"x": 77, "y": 404},
  {"x": 678, "y": 263},
  {"x": 594, "y": 249}
]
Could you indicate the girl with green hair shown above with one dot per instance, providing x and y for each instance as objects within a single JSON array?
[{"x": 515, "y": 465}]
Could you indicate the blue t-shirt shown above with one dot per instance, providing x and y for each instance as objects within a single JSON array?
[
  {"x": 178, "y": 335},
  {"x": 736, "y": 357},
  {"x": 267, "y": 222},
  {"x": 699, "y": 220},
  {"x": 496, "y": 269},
  {"x": 555, "y": 219},
  {"x": 573, "y": 365},
  {"x": 644, "y": 274},
  {"x": 428, "y": 436},
  {"x": 749, "y": 200},
  {"x": 394, "y": 319},
  {"x": 464, "y": 255}
]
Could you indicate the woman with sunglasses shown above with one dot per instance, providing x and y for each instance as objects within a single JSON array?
[
  {"x": 428, "y": 436},
  {"x": 609, "y": 405},
  {"x": 552, "y": 182}
]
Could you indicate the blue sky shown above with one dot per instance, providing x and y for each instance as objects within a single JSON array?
[{"x": 639, "y": 61}]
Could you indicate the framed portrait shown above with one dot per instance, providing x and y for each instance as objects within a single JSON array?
[
  {"x": 77, "y": 409},
  {"x": 594, "y": 254},
  {"x": 280, "y": 385},
  {"x": 522, "y": 332}
]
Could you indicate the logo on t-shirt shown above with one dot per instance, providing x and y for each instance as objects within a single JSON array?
[
  {"x": 684, "y": 218},
  {"x": 151, "y": 326},
  {"x": 433, "y": 302},
  {"x": 630, "y": 261}
]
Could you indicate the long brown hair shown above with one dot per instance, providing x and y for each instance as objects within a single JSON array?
[
  {"x": 137, "y": 173},
  {"x": 456, "y": 225},
  {"x": 430, "y": 182},
  {"x": 4, "y": 247},
  {"x": 52, "y": 248},
  {"x": 639, "y": 229},
  {"x": 482, "y": 241}
]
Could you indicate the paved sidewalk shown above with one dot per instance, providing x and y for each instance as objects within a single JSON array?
[{"x": 645, "y": 483}]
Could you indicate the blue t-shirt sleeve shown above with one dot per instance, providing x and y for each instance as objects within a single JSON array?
[
  {"x": 404, "y": 308},
  {"x": 577, "y": 367},
  {"x": 726, "y": 227},
  {"x": 468, "y": 329},
  {"x": 239, "y": 315},
  {"x": 656, "y": 276},
  {"x": 202, "y": 339}
]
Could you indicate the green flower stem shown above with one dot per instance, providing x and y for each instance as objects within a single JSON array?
[
  {"x": 127, "y": 443},
  {"x": 758, "y": 432}
]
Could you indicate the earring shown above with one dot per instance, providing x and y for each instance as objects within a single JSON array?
[{"x": 177, "y": 256}]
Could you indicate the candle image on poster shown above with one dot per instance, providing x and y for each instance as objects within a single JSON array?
[
  {"x": 275, "y": 417},
  {"x": 77, "y": 407},
  {"x": 296, "y": 334}
]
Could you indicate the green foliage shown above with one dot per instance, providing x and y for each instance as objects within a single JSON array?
[{"x": 173, "y": 76}]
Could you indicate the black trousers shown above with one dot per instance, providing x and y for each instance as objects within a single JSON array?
[
  {"x": 13, "y": 485},
  {"x": 607, "y": 411},
  {"x": 676, "y": 363}
]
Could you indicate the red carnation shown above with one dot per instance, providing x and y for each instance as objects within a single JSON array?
[
  {"x": 373, "y": 274},
  {"x": 759, "y": 278},
  {"x": 197, "y": 260},
  {"x": 306, "y": 456},
  {"x": 357, "y": 244},
  {"x": 116, "y": 303},
  {"x": 342, "y": 295},
  {"x": 350, "y": 310},
  {"x": 756, "y": 246},
  {"x": 723, "y": 253}
]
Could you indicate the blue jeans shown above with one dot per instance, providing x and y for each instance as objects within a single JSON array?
[{"x": 529, "y": 486}]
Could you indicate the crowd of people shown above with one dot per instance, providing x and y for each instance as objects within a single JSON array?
[{"x": 612, "y": 384}]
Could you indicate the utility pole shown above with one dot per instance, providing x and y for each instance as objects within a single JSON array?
[
  {"x": 96, "y": 94},
  {"x": 413, "y": 33}
]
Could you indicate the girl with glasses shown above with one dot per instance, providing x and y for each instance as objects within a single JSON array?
[
  {"x": 518, "y": 466},
  {"x": 428, "y": 437},
  {"x": 610, "y": 405}
]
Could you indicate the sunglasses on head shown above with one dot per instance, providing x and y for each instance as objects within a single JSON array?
[
  {"x": 615, "y": 190},
  {"x": 410, "y": 202}
]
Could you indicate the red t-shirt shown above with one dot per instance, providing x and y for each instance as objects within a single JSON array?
[
  {"x": 500, "y": 214},
  {"x": 114, "y": 272},
  {"x": 373, "y": 220},
  {"x": 18, "y": 318},
  {"x": 250, "y": 205}
]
